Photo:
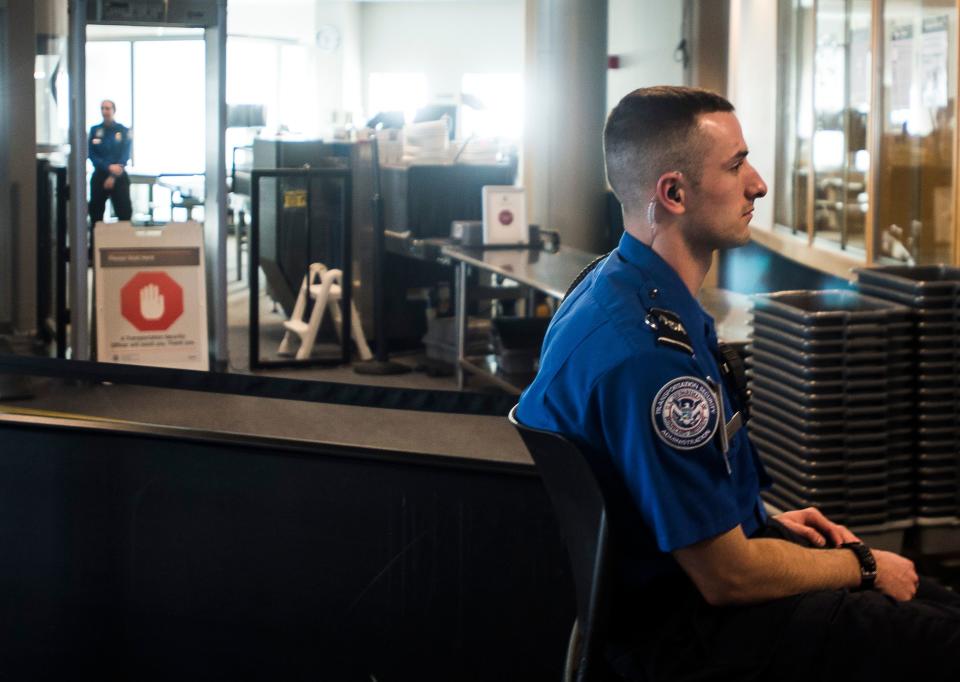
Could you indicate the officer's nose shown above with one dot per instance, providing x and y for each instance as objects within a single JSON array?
[{"x": 756, "y": 187}]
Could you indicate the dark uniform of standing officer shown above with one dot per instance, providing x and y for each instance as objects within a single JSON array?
[
  {"x": 109, "y": 150},
  {"x": 708, "y": 587}
]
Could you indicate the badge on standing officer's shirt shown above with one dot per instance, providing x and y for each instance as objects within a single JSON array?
[
  {"x": 118, "y": 136},
  {"x": 685, "y": 413}
]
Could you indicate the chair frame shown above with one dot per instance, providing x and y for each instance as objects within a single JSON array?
[{"x": 581, "y": 510}]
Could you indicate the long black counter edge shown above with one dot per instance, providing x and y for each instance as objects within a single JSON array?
[
  {"x": 42, "y": 419},
  {"x": 357, "y": 395}
]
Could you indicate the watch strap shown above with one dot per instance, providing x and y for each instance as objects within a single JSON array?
[{"x": 868, "y": 564}]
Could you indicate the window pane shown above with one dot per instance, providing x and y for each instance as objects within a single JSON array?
[
  {"x": 492, "y": 105},
  {"x": 108, "y": 77},
  {"x": 252, "y": 67},
  {"x": 841, "y": 104},
  {"x": 298, "y": 101},
  {"x": 169, "y": 99},
  {"x": 915, "y": 221},
  {"x": 404, "y": 92}
]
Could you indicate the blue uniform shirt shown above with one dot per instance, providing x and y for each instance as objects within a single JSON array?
[
  {"x": 108, "y": 145},
  {"x": 646, "y": 412}
]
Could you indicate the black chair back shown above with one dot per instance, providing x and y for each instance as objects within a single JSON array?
[{"x": 581, "y": 510}]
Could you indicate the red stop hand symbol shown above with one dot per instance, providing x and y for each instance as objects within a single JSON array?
[{"x": 151, "y": 301}]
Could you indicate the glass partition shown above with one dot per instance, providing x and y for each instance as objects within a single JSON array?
[
  {"x": 169, "y": 102},
  {"x": 881, "y": 190},
  {"x": 109, "y": 76},
  {"x": 841, "y": 104},
  {"x": 156, "y": 76},
  {"x": 824, "y": 90},
  {"x": 915, "y": 222}
]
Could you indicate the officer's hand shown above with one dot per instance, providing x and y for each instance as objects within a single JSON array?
[
  {"x": 896, "y": 576},
  {"x": 815, "y": 527},
  {"x": 109, "y": 182},
  {"x": 116, "y": 169}
]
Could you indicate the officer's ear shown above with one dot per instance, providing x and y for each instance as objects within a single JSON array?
[{"x": 671, "y": 192}]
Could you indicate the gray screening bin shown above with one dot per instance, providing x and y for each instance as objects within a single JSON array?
[
  {"x": 831, "y": 415},
  {"x": 932, "y": 294}
]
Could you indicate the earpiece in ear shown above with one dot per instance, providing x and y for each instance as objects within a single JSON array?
[{"x": 673, "y": 193}]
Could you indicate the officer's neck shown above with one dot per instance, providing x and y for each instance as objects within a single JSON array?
[
  {"x": 691, "y": 265},
  {"x": 689, "y": 262}
]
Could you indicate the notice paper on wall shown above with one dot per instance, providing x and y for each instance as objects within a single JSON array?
[
  {"x": 151, "y": 295},
  {"x": 934, "y": 61},
  {"x": 901, "y": 66}
]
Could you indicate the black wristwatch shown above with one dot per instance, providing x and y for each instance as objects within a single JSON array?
[{"x": 868, "y": 565}]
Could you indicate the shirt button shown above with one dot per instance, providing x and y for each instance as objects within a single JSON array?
[{"x": 654, "y": 293}]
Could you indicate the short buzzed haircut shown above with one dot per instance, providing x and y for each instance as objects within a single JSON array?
[
  {"x": 653, "y": 131},
  {"x": 110, "y": 102}
]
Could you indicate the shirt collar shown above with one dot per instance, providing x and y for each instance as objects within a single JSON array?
[{"x": 662, "y": 286}]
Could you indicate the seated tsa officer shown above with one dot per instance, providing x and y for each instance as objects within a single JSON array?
[{"x": 708, "y": 587}]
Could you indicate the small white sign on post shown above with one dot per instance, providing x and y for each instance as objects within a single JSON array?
[
  {"x": 504, "y": 215},
  {"x": 151, "y": 295}
]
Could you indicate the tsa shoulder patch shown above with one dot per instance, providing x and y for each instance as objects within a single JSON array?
[{"x": 685, "y": 413}]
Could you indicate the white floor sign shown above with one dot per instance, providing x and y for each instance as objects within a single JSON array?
[{"x": 151, "y": 295}]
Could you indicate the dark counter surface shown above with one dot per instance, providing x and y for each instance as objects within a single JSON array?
[{"x": 479, "y": 438}]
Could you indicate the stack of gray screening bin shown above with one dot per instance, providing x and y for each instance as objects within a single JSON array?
[
  {"x": 933, "y": 295},
  {"x": 831, "y": 413}
]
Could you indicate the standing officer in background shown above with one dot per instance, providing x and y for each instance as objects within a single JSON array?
[
  {"x": 109, "y": 150},
  {"x": 706, "y": 586}
]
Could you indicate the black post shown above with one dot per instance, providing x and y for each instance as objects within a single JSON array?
[
  {"x": 253, "y": 276},
  {"x": 63, "y": 259},
  {"x": 381, "y": 363},
  {"x": 44, "y": 248},
  {"x": 346, "y": 266}
]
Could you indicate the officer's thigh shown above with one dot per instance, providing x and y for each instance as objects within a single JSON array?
[
  {"x": 120, "y": 197},
  {"x": 827, "y": 635},
  {"x": 842, "y": 635},
  {"x": 98, "y": 199}
]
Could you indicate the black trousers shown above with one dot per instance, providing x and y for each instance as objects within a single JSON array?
[
  {"x": 119, "y": 196},
  {"x": 826, "y": 635}
]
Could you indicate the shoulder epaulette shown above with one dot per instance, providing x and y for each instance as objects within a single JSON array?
[{"x": 669, "y": 329}]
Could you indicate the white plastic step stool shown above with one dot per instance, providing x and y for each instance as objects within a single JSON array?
[{"x": 324, "y": 287}]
